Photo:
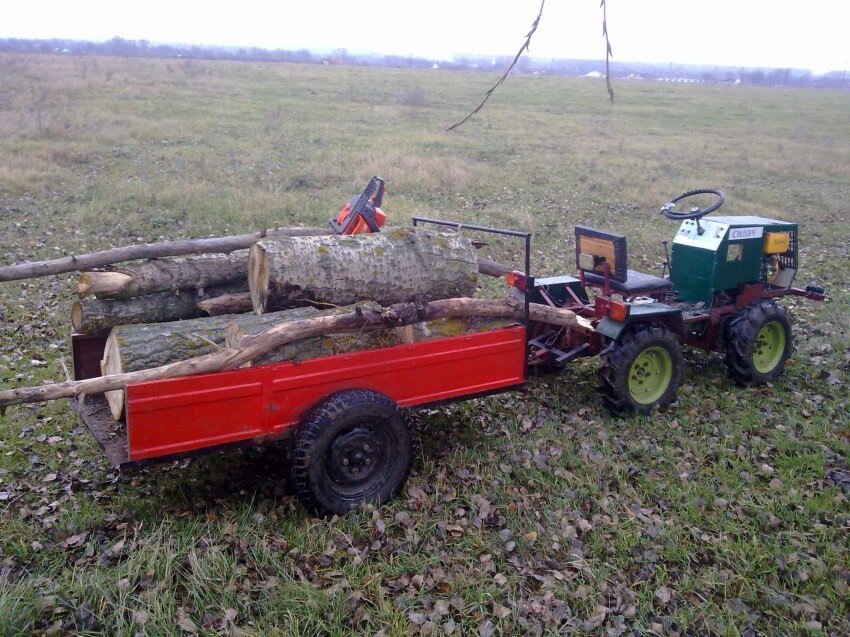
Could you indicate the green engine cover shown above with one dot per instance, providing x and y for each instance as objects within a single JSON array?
[{"x": 729, "y": 252}]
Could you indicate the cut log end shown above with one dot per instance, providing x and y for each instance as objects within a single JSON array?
[
  {"x": 77, "y": 316},
  {"x": 258, "y": 276},
  {"x": 101, "y": 283},
  {"x": 83, "y": 286},
  {"x": 112, "y": 364}
]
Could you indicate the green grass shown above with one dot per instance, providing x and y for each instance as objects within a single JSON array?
[{"x": 541, "y": 513}]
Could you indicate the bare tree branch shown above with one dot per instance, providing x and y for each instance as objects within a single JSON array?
[
  {"x": 525, "y": 47},
  {"x": 510, "y": 68},
  {"x": 608, "y": 53}
]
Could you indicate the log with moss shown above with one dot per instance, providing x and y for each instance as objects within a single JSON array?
[
  {"x": 395, "y": 266},
  {"x": 131, "y": 348}
]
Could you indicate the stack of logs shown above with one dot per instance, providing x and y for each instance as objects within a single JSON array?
[
  {"x": 285, "y": 295},
  {"x": 160, "y": 311}
]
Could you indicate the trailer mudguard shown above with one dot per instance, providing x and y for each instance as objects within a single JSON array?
[{"x": 669, "y": 316}]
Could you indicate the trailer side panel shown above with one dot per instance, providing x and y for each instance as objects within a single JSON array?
[{"x": 178, "y": 415}]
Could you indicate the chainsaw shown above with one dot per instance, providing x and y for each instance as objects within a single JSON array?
[{"x": 363, "y": 213}]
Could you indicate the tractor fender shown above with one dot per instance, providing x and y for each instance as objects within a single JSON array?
[{"x": 649, "y": 313}]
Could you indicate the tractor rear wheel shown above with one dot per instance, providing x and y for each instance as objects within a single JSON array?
[
  {"x": 758, "y": 343},
  {"x": 642, "y": 370},
  {"x": 355, "y": 447}
]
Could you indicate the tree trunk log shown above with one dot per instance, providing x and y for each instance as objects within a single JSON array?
[
  {"x": 159, "y": 275},
  {"x": 227, "y": 304},
  {"x": 492, "y": 268},
  {"x": 254, "y": 346},
  {"x": 96, "y": 317},
  {"x": 77, "y": 263},
  {"x": 131, "y": 348},
  {"x": 396, "y": 266}
]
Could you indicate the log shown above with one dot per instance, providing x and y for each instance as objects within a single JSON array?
[
  {"x": 239, "y": 303},
  {"x": 395, "y": 266},
  {"x": 96, "y": 317},
  {"x": 131, "y": 348},
  {"x": 91, "y": 260},
  {"x": 254, "y": 346},
  {"x": 159, "y": 275},
  {"x": 492, "y": 268},
  {"x": 227, "y": 304}
]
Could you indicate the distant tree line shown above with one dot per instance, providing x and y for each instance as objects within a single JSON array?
[{"x": 542, "y": 66}]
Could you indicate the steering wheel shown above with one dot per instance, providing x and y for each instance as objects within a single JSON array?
[{"x": 696, "y": 212}]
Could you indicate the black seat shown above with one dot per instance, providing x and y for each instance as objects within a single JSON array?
[
  {"x": 606, "y": 251},
  {"x": 635, "y": 283}
]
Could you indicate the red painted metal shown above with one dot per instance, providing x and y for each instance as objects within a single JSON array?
[{"x": 179, "y": 415}]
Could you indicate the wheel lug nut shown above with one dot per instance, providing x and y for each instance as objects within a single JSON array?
[
  {"x": 365, "y": 447},
  {"x": 345, "y": 462},
  {"x": 368, "y": 461}
]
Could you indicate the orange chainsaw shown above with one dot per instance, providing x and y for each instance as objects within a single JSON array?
[{"x": 363, "y": 213}]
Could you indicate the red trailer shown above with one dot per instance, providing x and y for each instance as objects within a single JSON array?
[{"x": 346, "y": 414}]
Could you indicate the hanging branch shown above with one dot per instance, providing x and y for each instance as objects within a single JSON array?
[
  {"x": 608, "y": 53},
  {"x": 510, "y": 68},
  {"x": 525, "y": 47}
]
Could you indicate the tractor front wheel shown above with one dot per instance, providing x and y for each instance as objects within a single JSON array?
[
  {"x": 355, "y": 447},
  {"x": 641, "y": 371},
  {"x": 758, "y": 343}
]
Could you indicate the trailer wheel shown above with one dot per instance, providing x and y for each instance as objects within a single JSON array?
[
  {"x": 354, "y": 447},
  {"x": 642, "y": 371},
  {"x": 758, "y": 343}
]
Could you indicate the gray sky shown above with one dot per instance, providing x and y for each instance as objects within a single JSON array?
[{"x": 813, "y": 34}]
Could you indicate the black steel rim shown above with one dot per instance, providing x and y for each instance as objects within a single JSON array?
[{"x": 356, "y": 459}]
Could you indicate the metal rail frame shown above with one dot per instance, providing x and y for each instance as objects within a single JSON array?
[{"x": 529, "y": 280}]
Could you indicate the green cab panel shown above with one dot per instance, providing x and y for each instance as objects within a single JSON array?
[
  {"x": 643, "y": 313},
  {"x": 720, "y": 253}
]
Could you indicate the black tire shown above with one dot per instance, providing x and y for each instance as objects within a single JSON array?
[
  {"x": 744, "y": 344},
  {"x": 618, "y": 365},
  {"x": 355, "y": 447}
]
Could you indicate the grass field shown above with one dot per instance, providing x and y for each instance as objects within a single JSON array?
[{"x": 525, "y": 514}]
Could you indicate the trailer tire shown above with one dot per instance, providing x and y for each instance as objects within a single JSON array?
[
  {"x": 641, "y": 371},
  {"x": 758, "y": 343},
  {"x": 355, "y": 447}
]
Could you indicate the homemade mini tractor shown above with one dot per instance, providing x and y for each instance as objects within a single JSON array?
[
  {"x": 724, "y": 276},
  {"x": 346, "y": 414}
]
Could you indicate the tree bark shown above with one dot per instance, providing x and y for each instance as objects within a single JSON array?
[
  {"x": 159, "y": 275},
  {"x": 77, "y": 263},
  {"x": 394, "y": 266},
  {"x": 96, "y": 317},
  {"x": 254, "y": 346},
  {"x": 131, "y": 348},
  {"x": 227, "y": 304}
]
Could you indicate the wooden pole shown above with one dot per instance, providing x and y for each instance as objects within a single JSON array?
[
  {"x": 252, "y": 347},
  {"x": 76, "y": 263}
]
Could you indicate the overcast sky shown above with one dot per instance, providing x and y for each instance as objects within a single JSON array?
[{"x": 813, "y": 34}]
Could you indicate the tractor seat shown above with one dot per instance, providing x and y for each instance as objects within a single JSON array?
[
  {"x": 635, "y": 283},
  {"x": 597, "y": 251}
]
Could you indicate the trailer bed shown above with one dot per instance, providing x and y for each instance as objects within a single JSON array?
[{"x": 173, "y": 418}]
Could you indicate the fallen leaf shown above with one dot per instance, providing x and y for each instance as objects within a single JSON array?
[
  {"x": 140, "y": 616},
  {"x": 485, "y": 629},
  {"x": 187, "y": 625}
]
